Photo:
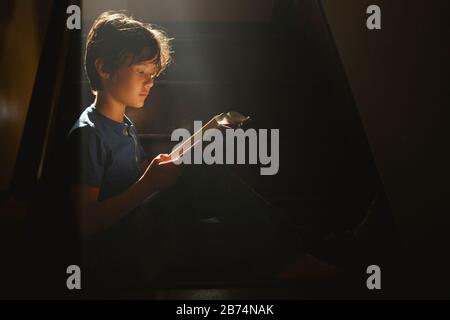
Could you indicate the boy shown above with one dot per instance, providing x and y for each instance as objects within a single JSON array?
[
  {"x": 111, "y": 176},
  {"x": 123, "y": 57}
]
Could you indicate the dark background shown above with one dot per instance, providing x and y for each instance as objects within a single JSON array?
[{"x": 361, "y": 117}]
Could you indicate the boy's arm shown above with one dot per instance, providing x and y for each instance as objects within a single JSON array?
[{"x": 93, "y": 215}]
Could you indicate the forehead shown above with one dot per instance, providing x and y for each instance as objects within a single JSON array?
[
  {"x": 148, "y": 64},
  {"x": 130, "y": 59}
]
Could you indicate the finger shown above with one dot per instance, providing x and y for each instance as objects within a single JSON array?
[
  {"x": 167, "y": 161},
  {"x": 165, "y": 157}
]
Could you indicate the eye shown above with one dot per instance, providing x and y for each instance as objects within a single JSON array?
[{"x": 146, "y": 75}]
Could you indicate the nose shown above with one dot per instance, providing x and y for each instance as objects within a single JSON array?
[{"x": 148, "y": 83}]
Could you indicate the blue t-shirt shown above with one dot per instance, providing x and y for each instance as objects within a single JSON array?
[{"x": 104, "y": 153}]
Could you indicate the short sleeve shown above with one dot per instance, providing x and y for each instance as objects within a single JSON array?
[{"x": 87, "y": 157}]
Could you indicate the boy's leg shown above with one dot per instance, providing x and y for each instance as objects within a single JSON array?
[
  {"x": 167, "y": 234},
  {"x": 252, "y": 230},
  {"x": 110, "y": 258},
  {"x": 209, "y": 219},
  {"x": 243, "y": 232},
  {"x": 137, "y": 249}
]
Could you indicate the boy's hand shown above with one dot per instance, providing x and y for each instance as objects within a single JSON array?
[{"x": 162, "y": 172}]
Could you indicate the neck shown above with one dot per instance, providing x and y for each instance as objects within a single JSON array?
[{"x": 109, "y": 107}]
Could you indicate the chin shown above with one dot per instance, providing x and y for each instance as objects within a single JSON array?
[{"x": 136, "y": 105}]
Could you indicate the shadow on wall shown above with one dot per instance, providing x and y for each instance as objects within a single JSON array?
[
  {"x": 399, "y": 79},
  {"x": 22, "y": 29}
]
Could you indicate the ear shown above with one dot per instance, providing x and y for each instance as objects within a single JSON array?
[{"x": 101, "y": 70}]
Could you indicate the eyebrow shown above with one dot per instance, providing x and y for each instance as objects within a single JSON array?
[{"x": 143, "y": 63}]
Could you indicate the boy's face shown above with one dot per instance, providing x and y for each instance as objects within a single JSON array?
[{"x": 131, "y": 85}]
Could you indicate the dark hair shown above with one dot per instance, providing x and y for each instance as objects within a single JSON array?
[{"x": 116, "y": 37}]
